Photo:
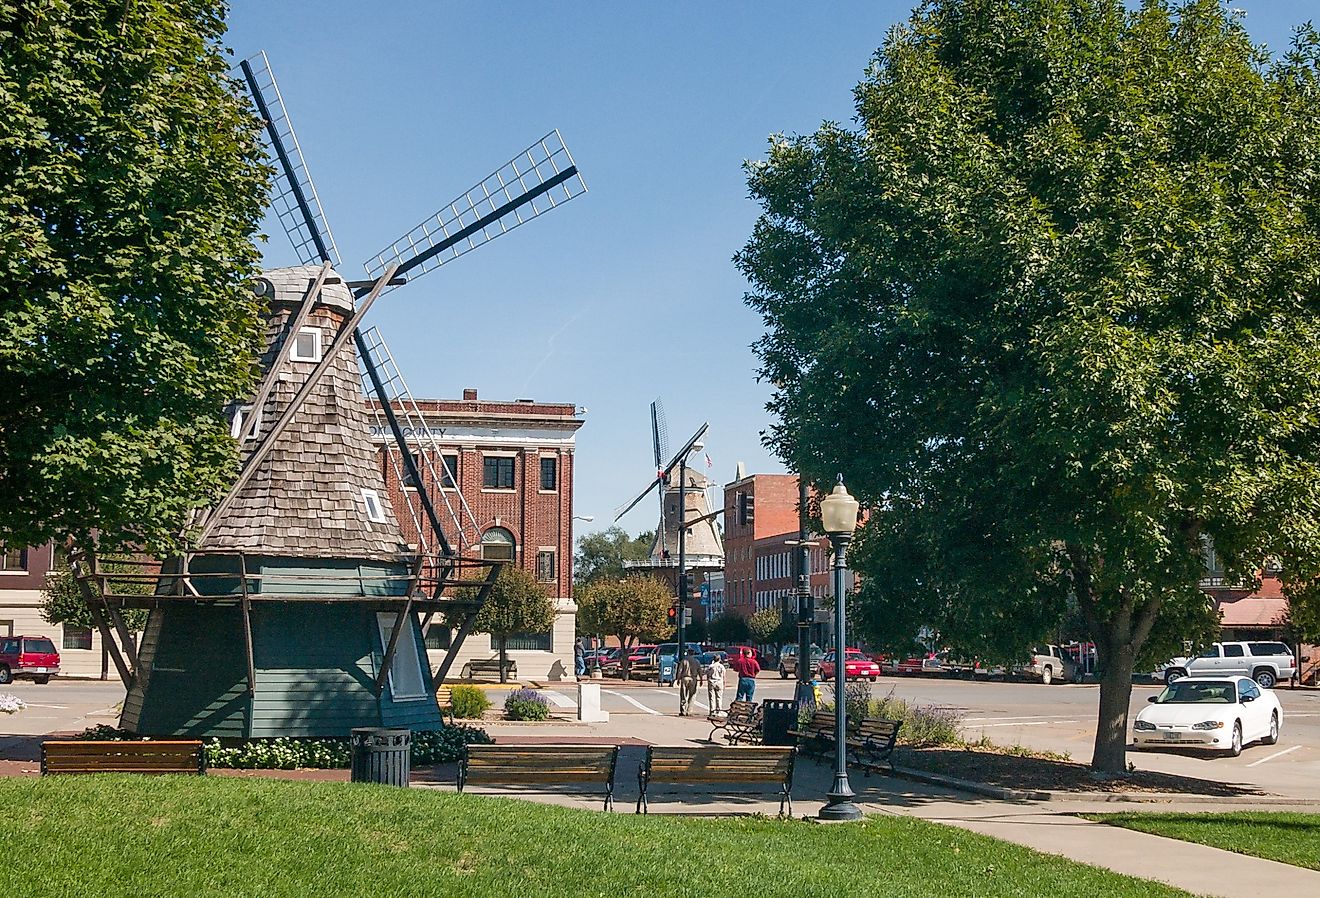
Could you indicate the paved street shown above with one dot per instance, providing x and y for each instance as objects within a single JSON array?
[{"x": 1058, "y": 718}]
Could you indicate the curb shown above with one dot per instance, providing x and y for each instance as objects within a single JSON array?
[{"x": 1006, "y": 794}]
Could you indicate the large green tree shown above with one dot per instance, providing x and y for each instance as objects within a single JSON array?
[
  {"x": 1053, "y": 306},
  {"x": 601, "y": 555},
  {"x": 629, "y": 609},
  {"x": 516, "y": 603},
  {"x": 132, "y": 186}
]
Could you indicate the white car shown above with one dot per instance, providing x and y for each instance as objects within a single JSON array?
[
  {"x": 1218, "y": 713},
  {"x": 1266, "y": 662}
]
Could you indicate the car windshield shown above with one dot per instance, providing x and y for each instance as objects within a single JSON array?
[
  {"x": 1191, "y": 692},
  {"x": 44, "y": 646},
  {"x": 854, "y": 656}
]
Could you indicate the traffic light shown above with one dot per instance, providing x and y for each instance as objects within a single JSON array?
[
  {"x": 746, "y": 509},
  {"x": 673, "y": 616}
]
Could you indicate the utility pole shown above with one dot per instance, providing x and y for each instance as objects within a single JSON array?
[
  {"x": 682, "y": 556},
  {"x": 806, "y": 602}
]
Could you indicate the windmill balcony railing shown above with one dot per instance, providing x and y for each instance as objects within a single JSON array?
[{"x": 431, "y": 582}]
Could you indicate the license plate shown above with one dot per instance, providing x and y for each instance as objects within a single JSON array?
[
  {"x": 39, "y": 670},
  {"x": 1172, "y": 737}
]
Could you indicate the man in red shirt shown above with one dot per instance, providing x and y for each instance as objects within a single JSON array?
[{"x": 747, "y": 669}]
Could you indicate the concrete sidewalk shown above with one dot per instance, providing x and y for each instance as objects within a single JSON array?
[{"x": 1050, "y": 827}]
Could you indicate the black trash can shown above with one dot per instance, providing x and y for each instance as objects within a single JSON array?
[
  {"x": 778, "y": 716},
  {"x": 381, "y": 756}
]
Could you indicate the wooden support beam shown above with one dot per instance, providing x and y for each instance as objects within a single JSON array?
[
  {"x": 247, "y": 628},
  {"x": 469, "y": 621},
  {"x": 405, "y": 616},
  {"x": 94, "y": 604}
]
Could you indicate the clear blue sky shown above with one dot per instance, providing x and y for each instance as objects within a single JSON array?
[{"x": 624, "y": 294}]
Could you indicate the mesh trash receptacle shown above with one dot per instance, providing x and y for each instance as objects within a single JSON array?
[
  {"x": 381, "y": 756},
  {"x": 778, "y": 716}
]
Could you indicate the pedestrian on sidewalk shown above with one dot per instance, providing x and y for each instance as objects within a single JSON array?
[
  {"x": 747, "y": 669},
  {"x": 689, "y": 673},
  {"x": 579, "y": 658},
  {"x": 715, "y": 685}
]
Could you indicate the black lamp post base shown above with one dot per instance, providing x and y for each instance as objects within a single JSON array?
[{"x": 839, "y": 811}]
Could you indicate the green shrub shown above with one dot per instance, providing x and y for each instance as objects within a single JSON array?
[
  {"x": 428, "y": 747},
  {"x": 469, "y": 702},
  {"x": 526, "y": 704}
]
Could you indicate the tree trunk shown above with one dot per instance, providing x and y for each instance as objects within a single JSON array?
[
  {"x": 504, "y": 673},
  {"x": 625, "y": 666},
  {"x": 1111, "y": 727}
]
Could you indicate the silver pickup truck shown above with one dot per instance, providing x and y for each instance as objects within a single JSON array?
[
  {"x": 1052, "y": 664},
  {"x": 1266, "y": 662}
]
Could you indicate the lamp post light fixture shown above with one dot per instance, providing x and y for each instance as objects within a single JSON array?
[{"x": 838, "y": 513}]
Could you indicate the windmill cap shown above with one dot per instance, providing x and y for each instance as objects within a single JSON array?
[{"x": 288, "y": 286}]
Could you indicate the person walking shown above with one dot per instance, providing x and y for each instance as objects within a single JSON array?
[
  {"x": 715, "y": 685},
  {"x": 747, "y": 669},
  {"x": 689, "y": 673},
  {"x": 579, "y": 658}
]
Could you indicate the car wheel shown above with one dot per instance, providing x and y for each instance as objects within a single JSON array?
[
  {"x": 1273, "y": 737},
  {"x": 5, "y": 675},
  {"x": 1265, "y": 678},
  {"x": 41, "y": 681},
  {"x": 873, "y": 678},
  {"x": 1172, "y": 675},
  {"x": 1047, "y": 675},
  {"x": 1235, "y": 748},
  {"x": 783, "y": 674},
  {"x": 1079, "y": 676}
]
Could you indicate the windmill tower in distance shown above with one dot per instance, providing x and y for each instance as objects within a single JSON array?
[
  {"x": 295, "y": 611},
  {"x": 686, "y": 538}
]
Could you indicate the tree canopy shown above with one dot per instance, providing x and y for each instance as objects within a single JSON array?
[
  {"x": 1053, "y": 307},
  {"x": 133, "y": 186},
  {"x": 600, "y": 556},
  {"x": 629, "y": 609},
  {"x": 516, "y": 603}
]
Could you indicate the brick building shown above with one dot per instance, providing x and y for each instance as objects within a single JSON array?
[
  {"x": 760, "y": 517},
  {"x": 501, "y": 476},
  {"x": 22, "y": 576}
]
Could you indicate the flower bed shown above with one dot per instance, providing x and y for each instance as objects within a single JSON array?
[{"x": 428, "y": 747}]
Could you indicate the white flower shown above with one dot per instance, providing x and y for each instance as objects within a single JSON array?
[{"x": 11, "y": 704}]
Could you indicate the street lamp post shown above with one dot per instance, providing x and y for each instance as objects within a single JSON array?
[{"x": 838, "y": 513}]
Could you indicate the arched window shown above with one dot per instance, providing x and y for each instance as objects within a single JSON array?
[{"x": 497, "y": 544}]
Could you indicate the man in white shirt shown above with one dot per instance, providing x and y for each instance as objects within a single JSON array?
[{"x": 715, "y": 685}]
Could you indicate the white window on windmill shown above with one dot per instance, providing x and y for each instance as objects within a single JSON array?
[
  {"x": 375, "y": 511},
  {"x": 406, "y": 680},
  {"x": 306, "y": 345},
  {"x": 241, "y": 416}
]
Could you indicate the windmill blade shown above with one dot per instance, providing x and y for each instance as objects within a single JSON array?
[
  {"x": 294, "y": 196},
  {"x": 659, "y": 432},
  {"x": 535, "y": 181},
  {"x": 624, "y": 509}
]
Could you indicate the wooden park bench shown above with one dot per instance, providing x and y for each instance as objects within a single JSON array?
[
  {"x": 490, "y": 667},
  {"x": 726, "y": 767},
  {"x": 871, "y": 742},
  {"x": 84, "y": 756},
  {"x": 741, "y": 723},
  {"x": 551, "y": 765},
  {"x": 444, "y": 699}
]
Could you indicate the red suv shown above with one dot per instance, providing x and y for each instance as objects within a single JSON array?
[{"x": 33, "y": 657}]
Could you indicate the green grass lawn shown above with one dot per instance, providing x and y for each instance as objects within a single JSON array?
[
  {"x": 1290, "y": 838},
  {"x": 121, "y": 835}
]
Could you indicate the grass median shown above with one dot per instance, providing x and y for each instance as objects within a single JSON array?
[
  {"x": 1286, "y": 837},
  {"x": 113, "y": 835}
]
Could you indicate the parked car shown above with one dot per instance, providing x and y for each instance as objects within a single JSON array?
[
  {"x": 28, "y": 657},
  {"x": 931, "y": 662},
  {"x": 788, "y": 661},
  {"x": 855, "y": 666},
  {"x": 1219, "y": 713},
  {"x": 1052, "y": 664},
  {"x": 667, "y": 653},
  {"x": 1265, "y": 662}
]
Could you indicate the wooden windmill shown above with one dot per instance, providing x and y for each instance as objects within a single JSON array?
[{"x": 296, "y": 610}]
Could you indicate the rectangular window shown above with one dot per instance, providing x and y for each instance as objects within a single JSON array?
[
  {"x": 527, "y": 642},
  {"x": 545, "y": 566},
  {"x": 449, "y": 471},
  {"x": 1233, "y": 651},
  {"x": 406, "y": 680},
  {"x": 12, "y": 559},
  {"x": 77, "y": 637},
  {"x": 307, "y": 345},
  {"x": 241, "y": 416},
  {"x": 438, "y": 636},
  {"x": 549, "y": 473},
  {"x": 375, "y": 512},
  {"x": 410, "y": 482},
  {"x": 497, "y": 472}
]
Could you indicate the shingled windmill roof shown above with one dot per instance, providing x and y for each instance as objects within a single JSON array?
[
  {"x": 703, "y": 546},
  {"x": 305, "y": 499}
]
